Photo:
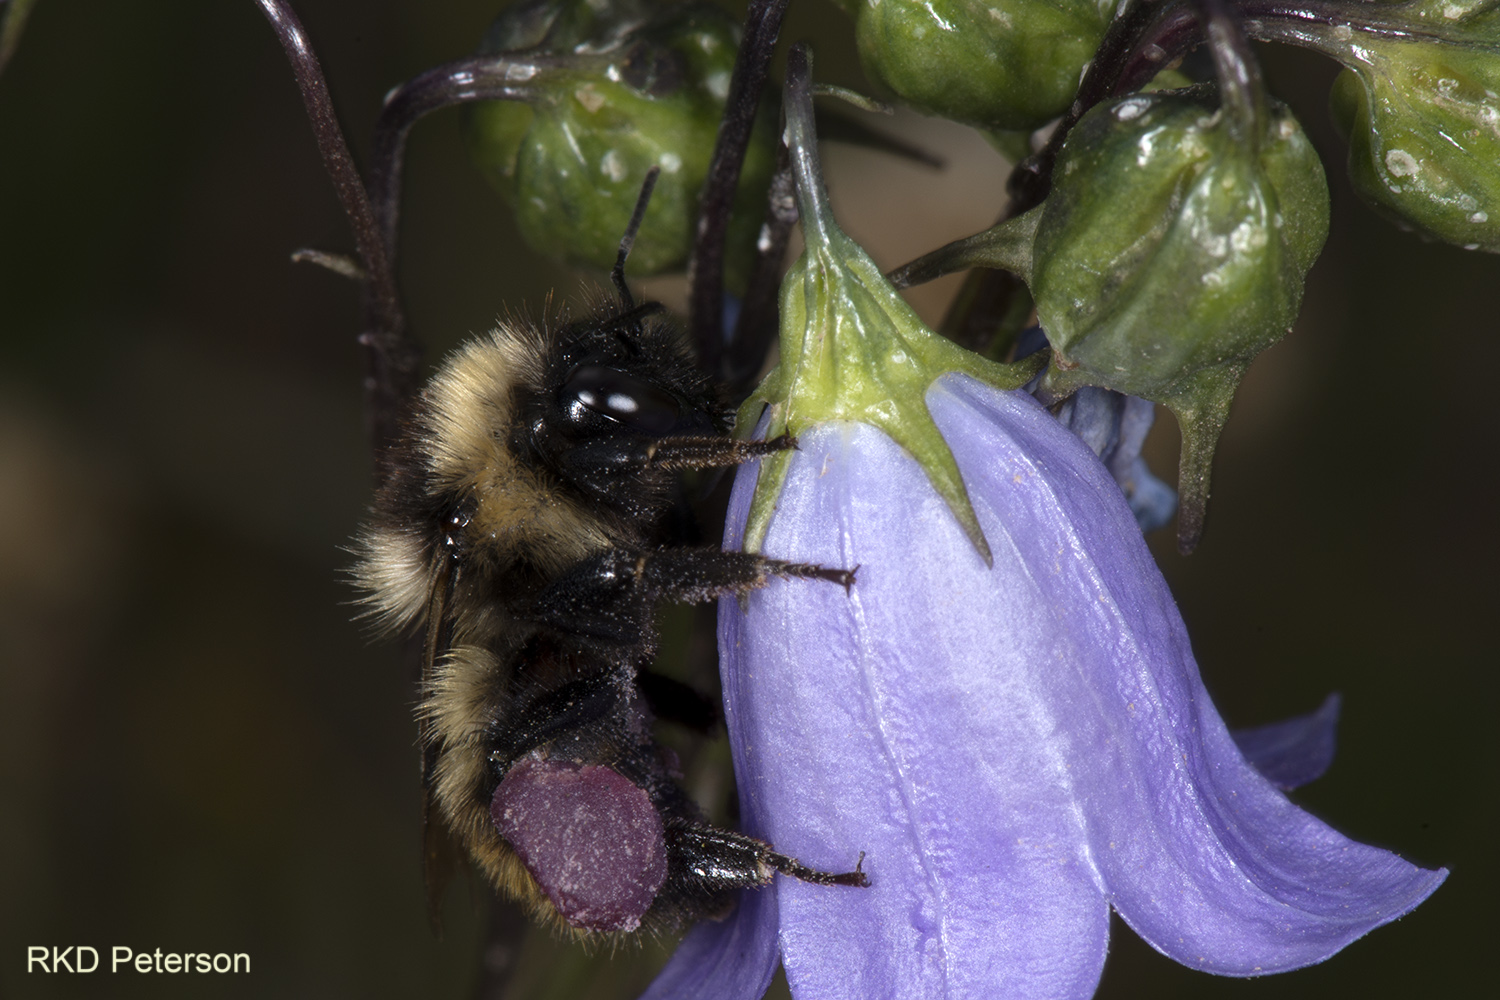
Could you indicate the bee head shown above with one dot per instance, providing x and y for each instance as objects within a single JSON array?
[
  {"x": 614, "y": 386},
  {"x": 616, "y": 383}
]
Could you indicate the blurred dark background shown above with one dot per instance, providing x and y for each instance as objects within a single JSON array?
[{"x": 199, "y": 751}]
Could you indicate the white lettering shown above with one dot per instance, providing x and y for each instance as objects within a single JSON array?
[
  {"x": 85, "y": 958},
  {"x": 37, "y": 953}
]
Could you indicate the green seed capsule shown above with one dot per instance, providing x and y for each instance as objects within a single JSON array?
[
  {"x": 634, "y": 87},
  {"x": 998, "y": 64},
  {"x": 1423, "y": 121}
]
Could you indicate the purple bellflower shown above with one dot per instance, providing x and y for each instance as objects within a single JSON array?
[{"x": 1003, "y": 713}]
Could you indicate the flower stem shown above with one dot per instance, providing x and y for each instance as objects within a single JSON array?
[
  {"x": 706, "y": 269},
  {"x": 480, "y": 78},
  {"x": 391, "y": 356}
]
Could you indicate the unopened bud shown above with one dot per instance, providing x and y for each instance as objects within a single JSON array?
[{"x": 626, "y": 89}]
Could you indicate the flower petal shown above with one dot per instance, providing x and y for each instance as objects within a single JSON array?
[
  {"x": 732, "y": 959},
  {"x": 860, "y": 726},
  {"x": 1295, "y": 751},
  {"x": 1200, "y": 854},
  {"x": 1114, "y": 426}
]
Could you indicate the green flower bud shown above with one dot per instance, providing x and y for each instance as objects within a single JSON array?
[
  {"x": 998, "y": 64},
  {"x": 1422, "y": 116},
  {"x": 1172, "y": 251},
  {"x": 1169, "y": 245},
  {"x": 621, "y": 91}
]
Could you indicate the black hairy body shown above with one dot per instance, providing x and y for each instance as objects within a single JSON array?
[{"x": 521, "y": 526}]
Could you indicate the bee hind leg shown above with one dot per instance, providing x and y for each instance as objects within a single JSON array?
[{"x": 705, "y": 860}]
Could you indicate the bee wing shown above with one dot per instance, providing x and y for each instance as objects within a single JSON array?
[
  {"x": 441, "y": 858},
  {"x": 441, "y": 854}
]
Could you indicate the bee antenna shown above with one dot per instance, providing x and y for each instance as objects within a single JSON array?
[
  {"x": 628, "y": 240},
  {"x": 631, "y": 320}
]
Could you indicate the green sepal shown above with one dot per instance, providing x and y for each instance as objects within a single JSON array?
[
  {"x": 1006, "y": 246},
  {"x": 853, "y": 350},
  {"x": 1200, "y": 402},
  {"x": 1201, "y": 408}
]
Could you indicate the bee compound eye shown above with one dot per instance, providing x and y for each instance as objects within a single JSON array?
[
  {"x": 621, "y": 397},
  {"x": 591, "y": 838}
]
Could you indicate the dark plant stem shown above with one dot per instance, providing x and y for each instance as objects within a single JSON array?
[
  {"x": 391, "y": 357},
  {"x": 706, "y": 269},
  {"x": 1308, "y": 23},
  {"x": 1138, "y": 44},
  {"x": 481, "y": 78},
  {"x": 1241, "y": 92},
  {"x": 756, "y": 328}
]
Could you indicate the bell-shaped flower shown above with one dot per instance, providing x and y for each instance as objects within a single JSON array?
[{"x": 1015, "y": 734}]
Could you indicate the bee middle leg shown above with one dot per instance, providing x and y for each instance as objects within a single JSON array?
[{"x": 608, "y": 597}]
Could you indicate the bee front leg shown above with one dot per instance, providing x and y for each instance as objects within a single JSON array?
[
  {"x": 608, "y": 596},
  {"x": 608, "y": 458}
]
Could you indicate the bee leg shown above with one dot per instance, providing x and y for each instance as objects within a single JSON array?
[
  {"x": 600, "y": 466},
  {"x": 708, "y": 859},
  {"x": 703, "y": 574},
  {"x": 578, "y": 706},
  {"x": 681, "y": 453},
  {"x": 602, "y": 597}
]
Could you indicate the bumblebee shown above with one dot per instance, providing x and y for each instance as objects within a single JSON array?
[{"x": 521, "y": 525}]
